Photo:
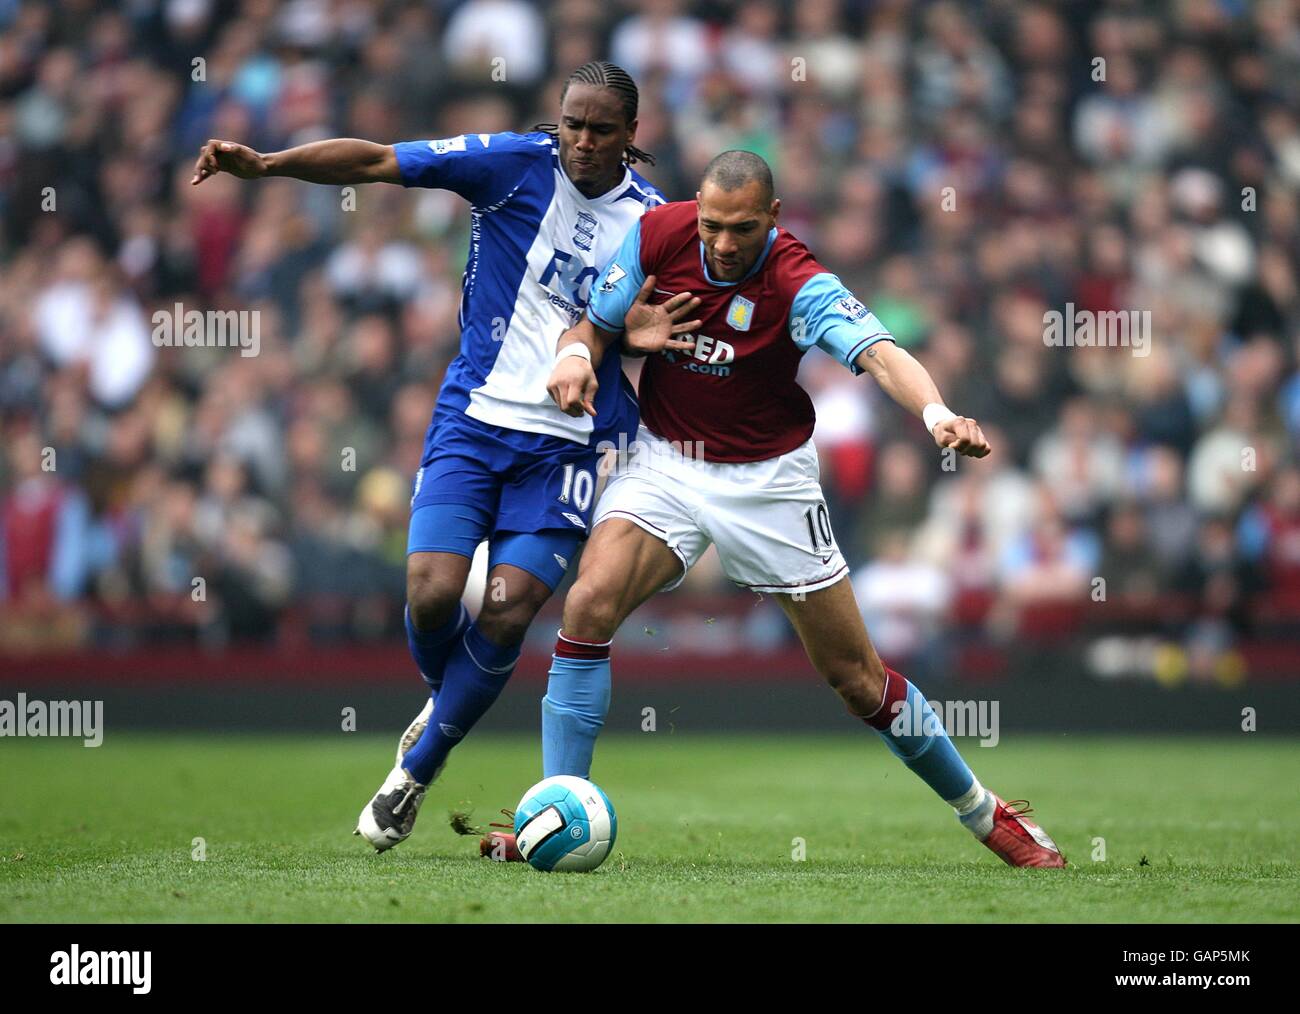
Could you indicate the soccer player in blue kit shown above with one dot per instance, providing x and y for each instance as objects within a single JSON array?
[{"x": 501, "y": 461}]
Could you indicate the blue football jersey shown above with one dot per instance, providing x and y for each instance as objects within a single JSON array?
[{"x": 537, "y": 245}]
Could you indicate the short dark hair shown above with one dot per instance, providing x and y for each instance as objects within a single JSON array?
[{"x": 734, "y": 169}]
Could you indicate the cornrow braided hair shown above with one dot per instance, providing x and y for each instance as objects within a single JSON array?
[{"x": 604, "y": 74}]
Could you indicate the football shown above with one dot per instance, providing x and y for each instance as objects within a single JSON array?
[{"x": 565, "y": 823}]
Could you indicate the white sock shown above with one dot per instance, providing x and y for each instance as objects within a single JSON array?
[
  {"x": 975, "y": 810},
  {"x": 970, "y": 801}
]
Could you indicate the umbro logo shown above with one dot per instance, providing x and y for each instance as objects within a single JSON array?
[
  {"x": 574, "y": 519},
  {"x": 564, "y": 564}
]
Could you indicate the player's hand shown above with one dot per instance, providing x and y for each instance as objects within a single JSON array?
[
  {"x": 963, "y": 435},
  {"x": 573, "y": 386},
  {"x": 651, "y": 327},
  {"x": 228, "y": 157}
]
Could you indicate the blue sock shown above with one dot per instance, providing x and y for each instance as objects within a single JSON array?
[
  {"x": 430, "y": 648},
  {"x": 574, "y": 708},
  {"x": 475, "y": 674},
  {"x": 916, "y": 736}
]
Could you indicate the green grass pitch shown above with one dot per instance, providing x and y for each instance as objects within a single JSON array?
[{"x": 1195, "y": 830}]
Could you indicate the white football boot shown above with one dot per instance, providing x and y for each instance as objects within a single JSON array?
[
  {"x": 414, "y": 731},
  {"x": 390, "y": 816}
]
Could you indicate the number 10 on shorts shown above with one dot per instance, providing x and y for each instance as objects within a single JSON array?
[
  {"x": 578, "y": 484},
  {"x": 819, "y": 526}
]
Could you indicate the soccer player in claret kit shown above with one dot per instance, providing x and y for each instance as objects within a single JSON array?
[
  {"x": 501, "y": 462},
  {"x": 762, "y": 300}
]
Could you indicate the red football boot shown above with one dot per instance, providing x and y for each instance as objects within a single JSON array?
[
  {"x": 501, "y": 845},
  {"x": 1020, "y": 842}
]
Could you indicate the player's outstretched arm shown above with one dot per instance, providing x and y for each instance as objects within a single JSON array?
[
  {"x": 573, "y": 383},
  {"x": 910, "y": 384},
  {"x": 337, "y": 161}
]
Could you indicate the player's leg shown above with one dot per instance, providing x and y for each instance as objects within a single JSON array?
[
  {"x": 522, "y": 575},
  {"x": 434, "y": 618},
  {"x": 452, "y": 511},
  {"x": 435, "y": 615},
  {"x": 773, "y": 533},
  {"x": 622, "y": 566},
  {"x": 557, "y": 496},
  {"x": 542, "y": 513},
  {"x": 435, "y": 582},
  {"x": 830, "y": 626}
]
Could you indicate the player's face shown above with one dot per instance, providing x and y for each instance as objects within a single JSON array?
[
  {"x": 593, "y": 135},
  {"x": 733, "y": 227}
]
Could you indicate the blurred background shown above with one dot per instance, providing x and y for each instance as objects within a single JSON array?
[{"x": 1129, "y": 556}]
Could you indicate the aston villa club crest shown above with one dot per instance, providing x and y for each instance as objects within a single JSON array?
[{"x": 740, "y": 313}]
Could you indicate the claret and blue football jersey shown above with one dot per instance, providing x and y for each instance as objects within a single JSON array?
[{"x": 735, "y": 396}]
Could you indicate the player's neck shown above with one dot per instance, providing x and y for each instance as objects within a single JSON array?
[{"x": 595, "y": 189}]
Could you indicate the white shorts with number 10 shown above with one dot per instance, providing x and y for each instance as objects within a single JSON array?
[{"x": 767, "y": 518}]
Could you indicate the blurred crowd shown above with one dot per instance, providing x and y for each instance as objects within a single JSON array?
[{"x": 964, "y": 168}]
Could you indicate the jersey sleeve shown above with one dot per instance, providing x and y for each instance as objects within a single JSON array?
[
  {"x": 482, "y": 168},
  {"x": 611, "y": 299},
  {"x": 826, "y": 314}
]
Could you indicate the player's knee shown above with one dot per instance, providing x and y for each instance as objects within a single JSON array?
[
  {"x": 591, "y": 612},
  {"x": 506, "y": 623},
  {"x": 431, "y": 597},
  {"x": 857, "y": 682}
]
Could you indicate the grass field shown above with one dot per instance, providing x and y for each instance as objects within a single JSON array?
[{"x": 1195, "y": 830}]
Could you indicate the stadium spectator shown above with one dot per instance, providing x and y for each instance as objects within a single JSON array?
[{"x": 965, "y": 168}]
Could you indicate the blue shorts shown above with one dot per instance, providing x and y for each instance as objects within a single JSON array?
[{"x": 530, "y": 495}]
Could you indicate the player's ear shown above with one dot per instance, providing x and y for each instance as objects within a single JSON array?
[
  {"x": 776, "y": 208},
  {"x": 631, "y": 131}
]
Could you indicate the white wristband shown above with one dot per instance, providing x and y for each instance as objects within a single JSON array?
[
  {"x": 576, "y": 349},
  {"x": 934, "y": 414}
]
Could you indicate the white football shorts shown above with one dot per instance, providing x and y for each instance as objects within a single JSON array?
[{"x": 767, "y": 518}]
